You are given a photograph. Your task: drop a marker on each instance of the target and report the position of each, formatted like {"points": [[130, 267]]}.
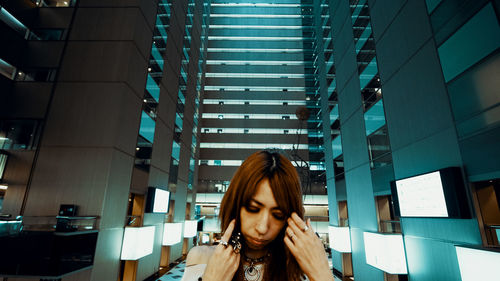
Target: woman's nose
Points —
{"points": [[263, 223]]}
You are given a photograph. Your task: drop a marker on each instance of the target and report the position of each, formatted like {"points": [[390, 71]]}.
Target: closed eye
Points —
{"points": [[252, 209]]}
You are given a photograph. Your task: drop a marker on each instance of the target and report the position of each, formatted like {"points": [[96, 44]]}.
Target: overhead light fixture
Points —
{"points": [[3, 186]]}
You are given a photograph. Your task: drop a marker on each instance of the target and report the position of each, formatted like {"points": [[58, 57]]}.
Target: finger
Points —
{"points": [[290, 245], [309, 225], [296, 230], [290, 233], [298, 221], [229, 231]]}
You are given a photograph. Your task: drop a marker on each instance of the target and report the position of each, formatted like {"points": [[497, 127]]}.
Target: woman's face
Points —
{"points": [[261, 221]]}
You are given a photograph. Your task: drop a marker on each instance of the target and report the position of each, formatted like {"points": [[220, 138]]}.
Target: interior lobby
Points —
{"points": [[123, 122]]}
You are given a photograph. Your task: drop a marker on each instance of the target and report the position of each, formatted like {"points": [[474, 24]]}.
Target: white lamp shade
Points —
{"points": [[172, 233], [340, 238], [476, 264], [190, 228], [385, 252], [137, 242]]}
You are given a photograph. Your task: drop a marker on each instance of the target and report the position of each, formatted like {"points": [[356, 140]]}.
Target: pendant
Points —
{"points": [[252, 273]]}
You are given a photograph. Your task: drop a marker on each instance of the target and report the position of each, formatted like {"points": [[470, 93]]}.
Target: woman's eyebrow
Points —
{"points": [[261, 204]]}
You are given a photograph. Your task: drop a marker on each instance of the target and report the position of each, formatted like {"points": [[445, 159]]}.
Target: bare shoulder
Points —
{"points": [[199, 255]]}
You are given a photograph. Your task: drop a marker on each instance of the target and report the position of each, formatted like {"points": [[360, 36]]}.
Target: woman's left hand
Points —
{"points": [[307, 249]]}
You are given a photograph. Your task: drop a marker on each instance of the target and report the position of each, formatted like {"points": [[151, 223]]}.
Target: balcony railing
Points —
{"points": [[390, 226]]}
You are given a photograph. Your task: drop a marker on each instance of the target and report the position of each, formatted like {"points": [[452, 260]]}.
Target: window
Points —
{"points": [[285, 132], [206, 130], [285, 103], [246, 117], [220, 116], [285, 117], [221, 103], [247, 103], [245, 131], [219, 131]]}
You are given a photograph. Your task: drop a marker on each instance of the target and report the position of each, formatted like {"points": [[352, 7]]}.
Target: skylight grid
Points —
{"points": [[255, 62], [243, 26], [252, 145], [254, 50], [254, 75], [255, 16], [254, 102], [273, 5], [252, 88], [254, 131], [248, 116], [259, 38]]}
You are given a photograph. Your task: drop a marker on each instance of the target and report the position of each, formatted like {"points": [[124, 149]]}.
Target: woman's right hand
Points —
{"points": [[224, 261]]}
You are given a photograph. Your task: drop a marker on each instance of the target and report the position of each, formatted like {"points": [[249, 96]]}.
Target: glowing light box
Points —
{"points": [[158, 200], [172, 233], [340, 238], [385, 252], [190, 228], [437, 194], [478, 264], [137, 242]]}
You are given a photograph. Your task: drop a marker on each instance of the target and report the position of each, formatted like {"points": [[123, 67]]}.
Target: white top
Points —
{"points": [[197, 260]]}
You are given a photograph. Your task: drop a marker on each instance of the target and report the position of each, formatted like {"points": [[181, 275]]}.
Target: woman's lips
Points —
{"points": [[256, 242]]}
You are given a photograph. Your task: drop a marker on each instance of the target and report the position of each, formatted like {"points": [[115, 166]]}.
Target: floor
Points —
{"points": [[175, 273]]}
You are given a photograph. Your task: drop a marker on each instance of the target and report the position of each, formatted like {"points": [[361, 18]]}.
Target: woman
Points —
{"points": [[263, 205]]}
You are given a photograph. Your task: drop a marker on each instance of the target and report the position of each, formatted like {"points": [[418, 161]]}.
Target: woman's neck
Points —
{"points": [[255, 254]]}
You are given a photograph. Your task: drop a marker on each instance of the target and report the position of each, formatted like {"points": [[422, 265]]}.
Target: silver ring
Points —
{"points": [[224, 243], [305, 228]]}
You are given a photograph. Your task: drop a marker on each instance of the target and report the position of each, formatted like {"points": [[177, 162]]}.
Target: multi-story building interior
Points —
{"points": [[389, 110]]}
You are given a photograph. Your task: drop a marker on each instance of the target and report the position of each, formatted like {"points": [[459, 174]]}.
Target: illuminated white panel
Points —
{"points": [[190, 228], [340, 238], [205, 238], [422, 196], [385, 252], [205, 130], [162, 200], [137, 242], [478, 264], [172, 233]]}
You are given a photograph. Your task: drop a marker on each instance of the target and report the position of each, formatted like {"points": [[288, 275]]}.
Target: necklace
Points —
{"points": [[253, 272]]}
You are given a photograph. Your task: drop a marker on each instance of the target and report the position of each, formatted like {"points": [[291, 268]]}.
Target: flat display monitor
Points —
{"points": [[438, 194], [158, 200]]}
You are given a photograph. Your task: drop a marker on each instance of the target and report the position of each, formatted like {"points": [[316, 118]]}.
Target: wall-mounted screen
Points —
{"points": [[422, 196], [158, 200], [439, 194]]}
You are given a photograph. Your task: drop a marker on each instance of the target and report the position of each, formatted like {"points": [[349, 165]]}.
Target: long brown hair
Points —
{"points": [[285, 185]]}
